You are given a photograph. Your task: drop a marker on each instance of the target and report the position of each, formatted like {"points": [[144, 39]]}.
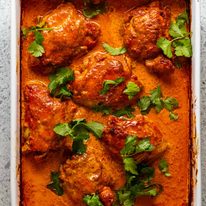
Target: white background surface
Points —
{"points": [[5, 100]]}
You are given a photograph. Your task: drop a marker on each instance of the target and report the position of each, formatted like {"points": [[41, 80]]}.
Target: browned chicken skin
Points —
{"points": [[95, 171], [42, 113], [118, 129], [71, 36], [143, 27], [96, 70]]}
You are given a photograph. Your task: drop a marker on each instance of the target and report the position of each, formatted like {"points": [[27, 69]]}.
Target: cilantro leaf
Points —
{"points": [[96, 128], [144, 104], [146, 172], [138, 182], [114, 51], [130, 146], [136, 187], [63, 93], [144, 145], [63, 129], [111, 83], [156, 100], [151, 190], [183, 47], [156, 93], [131, 90], [91, 10], [183, 17], [126, 111], [164, 167], [130, 165], [125, 198], [58, 81], [170, 103], [173, 116], [166, 46], [178, 30], [79, 130], [180, 42], [38, 37], [92, 200], [158, 103], [102, 108], [36, 49], [78, 146], [24, 31], [133, 146], [55, 184]]}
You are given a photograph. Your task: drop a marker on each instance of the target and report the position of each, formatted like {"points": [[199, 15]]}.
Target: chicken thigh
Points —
{"points": [[41, 114], [93, 172], [119, 129], [70, 36], [142, 28], [98, 68]]}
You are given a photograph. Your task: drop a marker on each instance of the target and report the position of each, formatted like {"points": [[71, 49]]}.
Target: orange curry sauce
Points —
{"points": [[36, 173]]}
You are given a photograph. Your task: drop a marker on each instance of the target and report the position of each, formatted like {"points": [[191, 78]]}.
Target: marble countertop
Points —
{"points": [[5, 100]]}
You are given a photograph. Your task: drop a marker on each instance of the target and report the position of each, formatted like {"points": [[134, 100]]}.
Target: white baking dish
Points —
{"points": [[15, 104]]}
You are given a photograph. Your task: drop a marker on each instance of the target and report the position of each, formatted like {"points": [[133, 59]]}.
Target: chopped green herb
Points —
{"points": [[131, 90], [102, 108], [130, 146], [147, 173], [130, 165], [133, 146], [173, 116], [114, 51], [178, 30], [164, 167], [78, 146], [36, 48], [92, 200], [183, 47], [108, 84], [156, 93], [96, 128], [180, 42], [125, 197], [57, 86], [26, 31], [92, 10], [171, 103], [144, 104], [63, 93], [79, 130], [155, 100], [182, 18], [126, 111], [55, 184], [63, 129], [144, 145], [166, 46], [138, 184]]}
